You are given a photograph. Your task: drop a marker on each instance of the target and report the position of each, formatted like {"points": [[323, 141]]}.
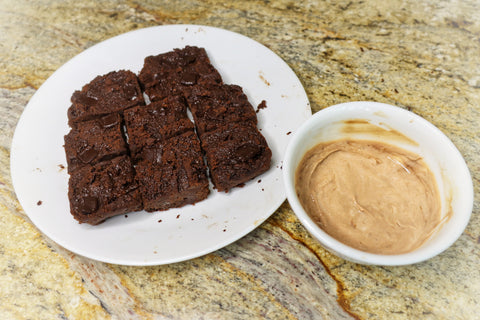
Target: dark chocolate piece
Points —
{"points": [[88, 204], [109, 120]]}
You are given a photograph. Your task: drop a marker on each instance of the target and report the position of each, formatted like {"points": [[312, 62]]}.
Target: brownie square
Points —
{"points": [[236, 153], [158, 121], [110, 93], [172, 173], [214, 106], [176, 72], [103, 190], [94, 141]]}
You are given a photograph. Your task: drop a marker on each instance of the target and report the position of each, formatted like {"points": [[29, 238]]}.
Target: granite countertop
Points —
{"points": [[419, 55]]}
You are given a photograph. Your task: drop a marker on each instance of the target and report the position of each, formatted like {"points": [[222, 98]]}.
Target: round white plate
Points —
{"points": [[141, 238]]}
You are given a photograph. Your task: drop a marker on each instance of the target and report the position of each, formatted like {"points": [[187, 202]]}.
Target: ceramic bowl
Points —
{"points": [[347, 120]]}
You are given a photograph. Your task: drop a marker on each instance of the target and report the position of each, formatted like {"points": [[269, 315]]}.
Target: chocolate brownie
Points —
{"points": [[166, 168], [236, 153], [213, 106], [156, 122], [172, 173], [103, 190], [110, 93], [93, 141], [176, 72]]}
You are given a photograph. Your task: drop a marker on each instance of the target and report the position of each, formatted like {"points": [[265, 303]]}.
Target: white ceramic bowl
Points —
{"points": [[420, 136]]}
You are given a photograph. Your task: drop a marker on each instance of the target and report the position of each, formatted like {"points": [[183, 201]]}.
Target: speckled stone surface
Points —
{"points": [[419, 55]]}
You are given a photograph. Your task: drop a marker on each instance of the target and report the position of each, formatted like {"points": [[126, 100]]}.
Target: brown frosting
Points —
{"points": [[371, 196]]}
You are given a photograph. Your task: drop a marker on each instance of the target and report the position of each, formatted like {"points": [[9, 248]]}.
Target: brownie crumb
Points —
{"points": [[160, 220], [263, 79], [178, 216], [289, 133], [224, 230], [39, 203], [126, 216], [262, 105], [61, 166], [259, 180]]}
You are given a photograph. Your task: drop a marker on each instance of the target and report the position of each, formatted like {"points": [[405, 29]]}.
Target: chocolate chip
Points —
{"points": [[80, 97], [109, 121], [188, 78], [247, 151], [152, 155], [190, 58], [88, 155], [88, 205], [129, 92]]}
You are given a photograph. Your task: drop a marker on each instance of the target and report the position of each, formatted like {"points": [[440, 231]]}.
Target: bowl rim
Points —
{"points": [[340, 248]]}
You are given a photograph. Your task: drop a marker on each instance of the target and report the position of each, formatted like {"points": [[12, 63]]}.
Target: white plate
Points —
{"points": [[37, 152]]}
